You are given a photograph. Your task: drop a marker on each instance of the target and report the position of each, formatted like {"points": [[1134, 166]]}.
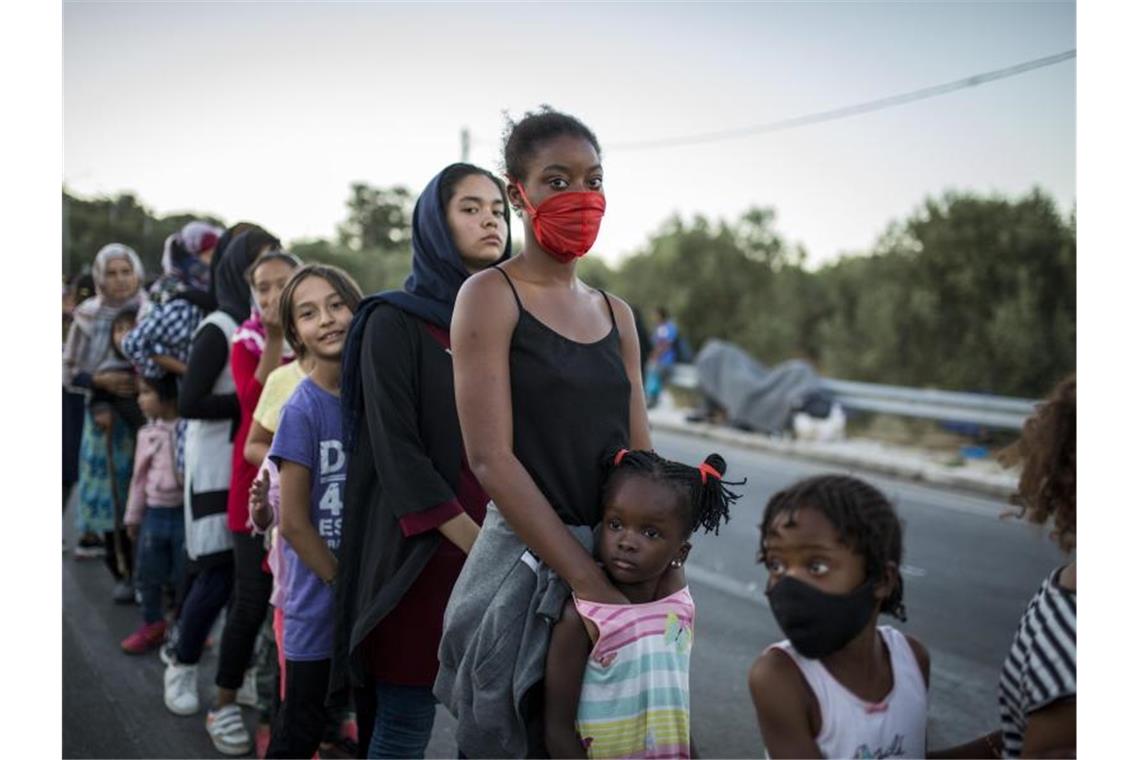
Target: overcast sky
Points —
{"points": [[267, 111]]}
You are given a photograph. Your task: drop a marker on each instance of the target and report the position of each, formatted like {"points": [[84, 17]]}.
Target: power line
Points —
{"points": [[852, 110]]}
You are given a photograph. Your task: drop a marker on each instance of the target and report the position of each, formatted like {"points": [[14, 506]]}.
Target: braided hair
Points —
{"points": [[864, 518], [700, 490]]}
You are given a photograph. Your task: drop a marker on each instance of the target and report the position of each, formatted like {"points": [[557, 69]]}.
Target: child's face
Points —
{"points": [[643, 530], [803, 544], [119, 331], [321, 318], [268, 281], [149, 402]]}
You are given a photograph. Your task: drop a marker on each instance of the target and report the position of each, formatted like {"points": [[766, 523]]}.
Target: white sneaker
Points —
{"points": [[247, 694], [180, 688], [228, 731]]}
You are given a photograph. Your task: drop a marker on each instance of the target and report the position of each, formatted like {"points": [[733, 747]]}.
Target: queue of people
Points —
{"points": [[448, 493]]}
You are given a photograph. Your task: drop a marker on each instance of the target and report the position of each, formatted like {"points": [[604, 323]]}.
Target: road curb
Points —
{"points": [[910, 468]]}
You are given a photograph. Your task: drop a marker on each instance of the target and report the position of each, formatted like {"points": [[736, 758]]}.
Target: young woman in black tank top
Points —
{"points": [[547, 370]]}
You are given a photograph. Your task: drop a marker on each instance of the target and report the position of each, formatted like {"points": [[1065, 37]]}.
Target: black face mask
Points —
{"points": [[816, 622]]}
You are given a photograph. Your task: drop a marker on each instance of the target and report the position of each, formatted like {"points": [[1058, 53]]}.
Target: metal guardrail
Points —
{"points": [[945, 406]]}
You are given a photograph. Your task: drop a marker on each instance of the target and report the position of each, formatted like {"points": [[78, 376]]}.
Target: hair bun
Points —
{"points": [[716, 461]]}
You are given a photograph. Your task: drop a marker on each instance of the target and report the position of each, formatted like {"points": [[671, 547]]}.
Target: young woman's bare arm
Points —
{"points": [[631, 357], [481, 327]]}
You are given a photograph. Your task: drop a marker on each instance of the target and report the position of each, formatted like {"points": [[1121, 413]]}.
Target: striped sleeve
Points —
{"points": [[1051, 662], [1042, 664]]}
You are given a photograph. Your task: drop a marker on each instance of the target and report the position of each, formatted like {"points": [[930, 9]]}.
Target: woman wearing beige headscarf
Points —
{"points": [[106, 448]]}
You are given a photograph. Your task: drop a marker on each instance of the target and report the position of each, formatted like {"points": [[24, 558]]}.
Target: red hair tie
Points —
{"points": [[620, 456], [707, 469]]}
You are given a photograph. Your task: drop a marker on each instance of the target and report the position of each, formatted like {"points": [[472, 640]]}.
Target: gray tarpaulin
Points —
{"points": [[753, 396]]}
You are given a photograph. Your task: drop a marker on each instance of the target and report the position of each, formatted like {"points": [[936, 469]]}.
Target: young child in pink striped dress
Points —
{"points": [[617, 676]]}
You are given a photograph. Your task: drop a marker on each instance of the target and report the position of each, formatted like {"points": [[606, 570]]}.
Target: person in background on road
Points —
{"points": [[1037, 691], [258, 349], [316, 311], [154, 516], [547, 379], [664, 356], [208, 400], [638, 653], [412, 504], [644, 338], [840, 685], [105, 453]]}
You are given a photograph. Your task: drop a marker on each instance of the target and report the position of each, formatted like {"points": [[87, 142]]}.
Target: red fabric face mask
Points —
{"points": [[566, 224]]}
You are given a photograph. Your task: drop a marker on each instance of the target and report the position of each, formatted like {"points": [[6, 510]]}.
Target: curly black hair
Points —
{"points": [[864, 518], [1047, 451], [700, 490], [522, 138]]}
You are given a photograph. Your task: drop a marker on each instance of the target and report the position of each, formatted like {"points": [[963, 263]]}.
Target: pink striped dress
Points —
{"points": [[635, 690]]}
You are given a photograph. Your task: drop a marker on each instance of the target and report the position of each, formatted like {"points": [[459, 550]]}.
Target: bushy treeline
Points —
{"points": [[968, 292]]}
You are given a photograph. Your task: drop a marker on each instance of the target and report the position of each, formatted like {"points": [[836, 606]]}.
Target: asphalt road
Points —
{"points": [[968, 576]]}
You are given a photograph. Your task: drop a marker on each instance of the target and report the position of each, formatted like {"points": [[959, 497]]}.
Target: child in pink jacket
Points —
{"points": [[154, 517]]}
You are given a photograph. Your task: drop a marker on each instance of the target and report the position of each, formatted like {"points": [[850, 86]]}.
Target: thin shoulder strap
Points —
{"points": [[511, 285], [609, 306]]}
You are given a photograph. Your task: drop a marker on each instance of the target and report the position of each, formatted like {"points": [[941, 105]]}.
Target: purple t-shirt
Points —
{"points": [[309, 433]]}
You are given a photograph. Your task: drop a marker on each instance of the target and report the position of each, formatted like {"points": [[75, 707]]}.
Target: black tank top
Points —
{"points": [[570, 403]]}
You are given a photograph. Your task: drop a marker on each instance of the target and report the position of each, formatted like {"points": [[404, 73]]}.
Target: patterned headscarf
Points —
{"points": [[180, 263]]}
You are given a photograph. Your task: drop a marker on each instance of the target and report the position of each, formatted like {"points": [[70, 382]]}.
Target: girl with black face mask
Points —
{"points": [[840, 685]]}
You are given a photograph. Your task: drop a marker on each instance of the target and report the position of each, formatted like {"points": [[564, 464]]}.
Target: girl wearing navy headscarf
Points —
{"points": [[412, 505]]}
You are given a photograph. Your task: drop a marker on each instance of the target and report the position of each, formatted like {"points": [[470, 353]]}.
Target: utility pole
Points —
{"points": [[464, 144]]}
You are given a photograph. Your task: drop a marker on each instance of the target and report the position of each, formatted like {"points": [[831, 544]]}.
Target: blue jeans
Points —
{"points": [[161, 557], [404, 718]]}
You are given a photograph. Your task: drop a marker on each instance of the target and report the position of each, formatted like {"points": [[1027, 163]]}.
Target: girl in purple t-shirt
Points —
{"points": [[316, 311]]}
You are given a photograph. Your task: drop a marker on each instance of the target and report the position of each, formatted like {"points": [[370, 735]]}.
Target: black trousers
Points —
{"points": [[252, 587], [209, 592], [300, 722]]}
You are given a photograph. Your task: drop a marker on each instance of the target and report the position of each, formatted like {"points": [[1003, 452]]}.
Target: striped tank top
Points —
{"points": [[635, 690]]}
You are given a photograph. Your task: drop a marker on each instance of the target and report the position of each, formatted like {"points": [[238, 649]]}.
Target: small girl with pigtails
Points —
{"points": [[617, 676]]}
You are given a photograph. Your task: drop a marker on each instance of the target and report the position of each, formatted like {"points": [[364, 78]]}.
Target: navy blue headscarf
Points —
{"points": [[429, 292]]}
